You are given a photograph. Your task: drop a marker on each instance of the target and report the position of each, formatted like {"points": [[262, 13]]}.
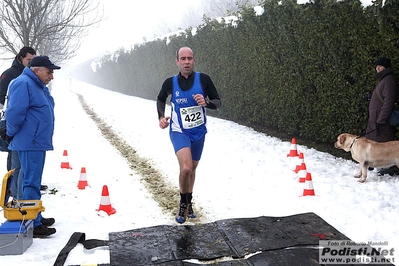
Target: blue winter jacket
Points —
{"points": [[30, 114]]}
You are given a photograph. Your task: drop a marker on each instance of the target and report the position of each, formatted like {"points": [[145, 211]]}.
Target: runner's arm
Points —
{"points": [[166, 90], [210, 90]]}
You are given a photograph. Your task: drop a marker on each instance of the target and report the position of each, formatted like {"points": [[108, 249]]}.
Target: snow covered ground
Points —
{"points": [[243, 173]]}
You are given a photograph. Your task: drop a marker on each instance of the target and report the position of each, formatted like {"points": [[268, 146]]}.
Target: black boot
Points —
{"points": [[42, 231]]}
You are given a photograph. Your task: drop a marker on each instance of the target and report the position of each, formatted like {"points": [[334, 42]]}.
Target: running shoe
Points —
{"points": [[182, 213], [190, 211]]}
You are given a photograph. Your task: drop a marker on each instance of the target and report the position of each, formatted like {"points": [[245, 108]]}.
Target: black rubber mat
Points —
{"points": [[165, 244], [307, 228], [248, 235], [297, 257], [262, 241], [184, 242]]}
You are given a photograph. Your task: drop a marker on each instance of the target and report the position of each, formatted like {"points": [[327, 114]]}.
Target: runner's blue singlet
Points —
{"points": [[187, 116]]}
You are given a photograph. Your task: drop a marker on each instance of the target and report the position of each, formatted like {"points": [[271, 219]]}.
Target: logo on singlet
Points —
{"points": [[181, 101]]}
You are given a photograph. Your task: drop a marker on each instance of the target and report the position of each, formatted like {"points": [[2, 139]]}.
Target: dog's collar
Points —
{"points": [[353, 142]]}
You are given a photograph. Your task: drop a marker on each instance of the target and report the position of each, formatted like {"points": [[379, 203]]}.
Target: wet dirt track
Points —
{"points": [[165, 194]]}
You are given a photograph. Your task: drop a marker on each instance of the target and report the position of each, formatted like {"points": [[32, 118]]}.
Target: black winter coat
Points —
{"points": [[379, 111], [14, 71]]}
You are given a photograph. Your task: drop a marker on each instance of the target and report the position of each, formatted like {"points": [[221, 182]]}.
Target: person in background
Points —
{"points": [[21, 60], [191, 93], [382, 103], [30, 128]]}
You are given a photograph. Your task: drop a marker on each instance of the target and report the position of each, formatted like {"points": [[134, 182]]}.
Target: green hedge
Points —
{"points": [[299, 69]]}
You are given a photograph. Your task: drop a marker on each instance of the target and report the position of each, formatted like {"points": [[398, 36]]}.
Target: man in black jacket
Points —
{"points": [[382, 102], [20, 62]]}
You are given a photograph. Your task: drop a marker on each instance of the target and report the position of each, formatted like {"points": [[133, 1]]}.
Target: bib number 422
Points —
{"points": [[192, 117]]}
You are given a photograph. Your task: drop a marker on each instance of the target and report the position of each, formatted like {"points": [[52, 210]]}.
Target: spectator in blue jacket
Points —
{"points": [[30, 127]]}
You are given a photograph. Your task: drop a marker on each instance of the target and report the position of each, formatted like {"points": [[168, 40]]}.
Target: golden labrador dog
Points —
{"points": [[369, 153]]}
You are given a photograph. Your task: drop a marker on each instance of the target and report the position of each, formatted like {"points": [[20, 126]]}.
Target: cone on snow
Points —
{"points": [[300, 162], [105, 204], [293, 150], [302, 173], [82, 184], [65, 162], [308, 190]]}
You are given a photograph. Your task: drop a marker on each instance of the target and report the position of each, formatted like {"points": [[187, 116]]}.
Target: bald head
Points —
{"points": [[184, 49], [185, 61]]}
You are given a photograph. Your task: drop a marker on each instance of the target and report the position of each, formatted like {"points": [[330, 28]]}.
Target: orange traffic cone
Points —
{"points": [[300, 162], [302, 173], [308, 190], [65, 163], [105, 204], [293, 150], [82, 180]]}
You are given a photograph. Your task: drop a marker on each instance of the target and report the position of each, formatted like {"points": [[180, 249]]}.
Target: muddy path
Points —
{"points": [[162, 191]]}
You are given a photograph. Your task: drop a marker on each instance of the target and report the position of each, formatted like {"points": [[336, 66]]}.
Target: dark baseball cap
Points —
{"points": [[42, 61]]}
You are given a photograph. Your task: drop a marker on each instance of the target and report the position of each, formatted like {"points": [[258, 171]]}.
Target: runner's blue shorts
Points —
{"points": [[180, 140]]}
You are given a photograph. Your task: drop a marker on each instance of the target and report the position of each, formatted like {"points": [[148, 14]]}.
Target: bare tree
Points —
{"points": [[51, 27], [196, 13]]}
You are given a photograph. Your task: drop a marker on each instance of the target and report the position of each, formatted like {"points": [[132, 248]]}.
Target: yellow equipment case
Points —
{"points": [[17, 210]]}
